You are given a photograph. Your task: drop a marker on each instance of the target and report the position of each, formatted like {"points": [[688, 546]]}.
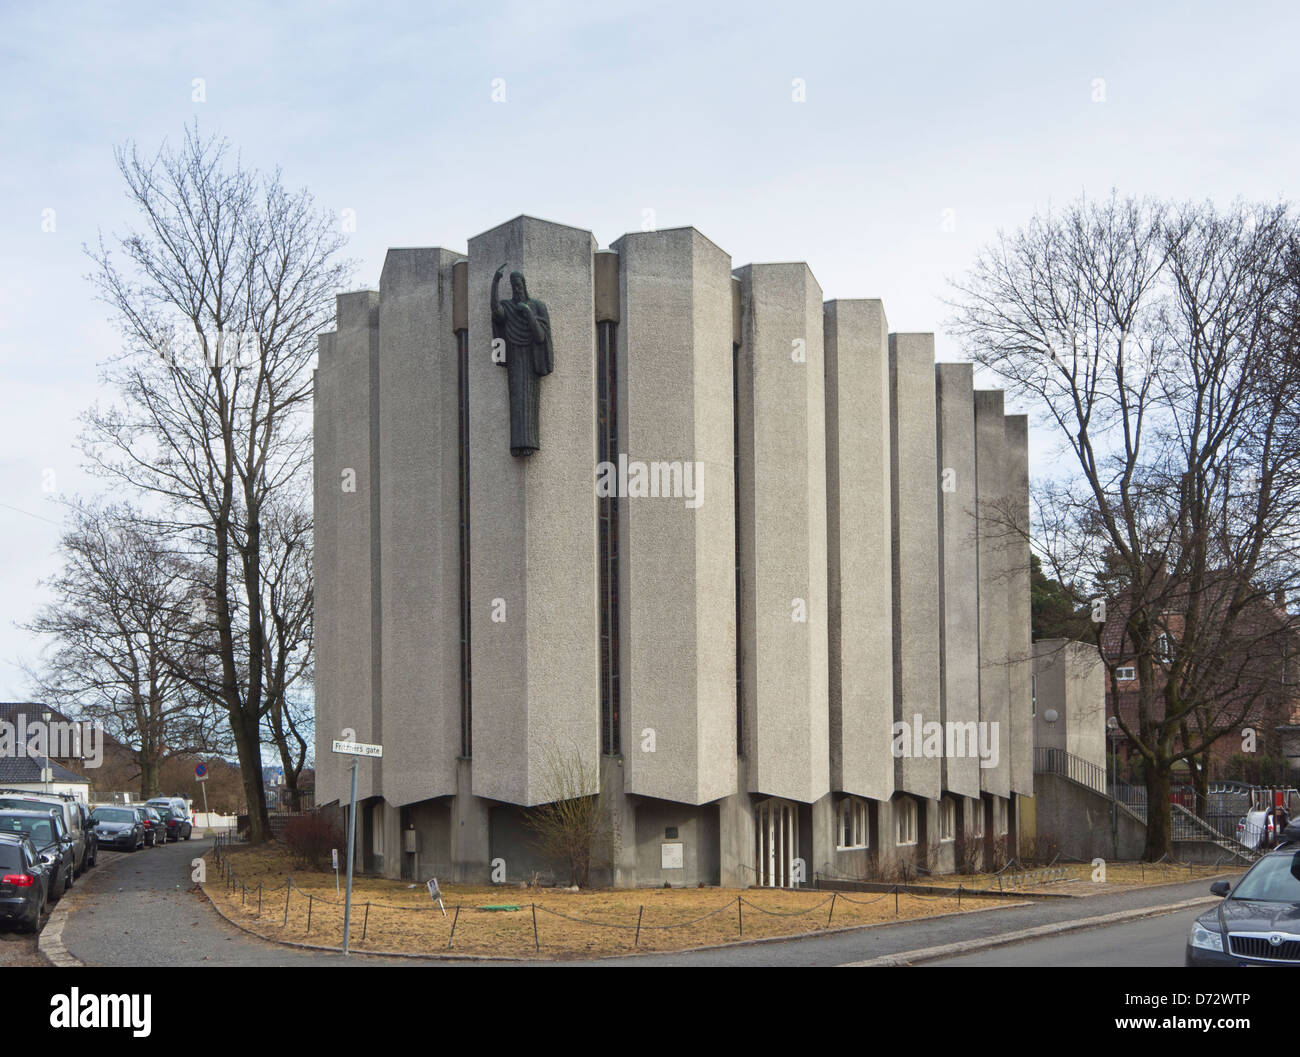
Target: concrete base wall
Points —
{"points": [[697, 833], [1079, 821]]}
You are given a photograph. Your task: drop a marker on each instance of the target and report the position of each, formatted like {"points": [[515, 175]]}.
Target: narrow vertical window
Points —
{"points": [[735, 491], [462, 392], [607, 513]]}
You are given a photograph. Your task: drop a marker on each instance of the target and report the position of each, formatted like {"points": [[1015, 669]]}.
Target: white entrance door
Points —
{"points": [[776, 843]]}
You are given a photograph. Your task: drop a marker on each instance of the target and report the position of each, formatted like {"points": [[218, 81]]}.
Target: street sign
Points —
{"points": [[201, 772], [357, 748], [436, 893]]}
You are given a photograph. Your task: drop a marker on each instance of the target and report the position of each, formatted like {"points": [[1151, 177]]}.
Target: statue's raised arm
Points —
{"points": [[498, 313]]}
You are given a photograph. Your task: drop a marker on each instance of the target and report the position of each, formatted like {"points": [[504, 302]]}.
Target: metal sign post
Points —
{"points": [[201, 776], [352, 836], [356, 750]]}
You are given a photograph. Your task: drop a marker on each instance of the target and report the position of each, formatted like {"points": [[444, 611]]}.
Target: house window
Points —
{"points": [[947, 819], [905, 820], [999, 818], [377, 829], [1125, 675], [851, 826], [1164, 647], [977, 820]]}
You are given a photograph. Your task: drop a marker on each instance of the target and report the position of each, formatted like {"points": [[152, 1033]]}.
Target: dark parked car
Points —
{"points": [[24, 882], [1258, 922], [117, 827], [179, 826], [88, 830], [155, 832], [52, 842]]}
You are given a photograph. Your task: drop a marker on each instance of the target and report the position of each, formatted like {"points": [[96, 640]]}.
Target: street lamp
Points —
{"points": [[1113, 734], [47, 772]]}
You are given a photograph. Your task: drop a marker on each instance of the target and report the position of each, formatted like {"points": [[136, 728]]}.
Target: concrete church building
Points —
{"points": [[704, 542]]}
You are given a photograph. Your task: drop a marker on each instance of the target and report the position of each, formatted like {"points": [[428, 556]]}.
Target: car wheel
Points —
{"points": [[67, 878], [34, 925], [187, 835]]}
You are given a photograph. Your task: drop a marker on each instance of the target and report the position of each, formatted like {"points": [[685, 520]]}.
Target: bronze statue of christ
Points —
{"points": [[524, 325]]}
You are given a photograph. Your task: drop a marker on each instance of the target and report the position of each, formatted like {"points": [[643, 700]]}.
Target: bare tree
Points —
{"points": [[219, 299], [1147, 336], [573, 826], [287, 612], [118, 630]]}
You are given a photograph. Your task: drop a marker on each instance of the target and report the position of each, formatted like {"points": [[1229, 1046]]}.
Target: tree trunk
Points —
{"points": [[1201, 783], [250, 759], [148, 777], [1159, 826]]}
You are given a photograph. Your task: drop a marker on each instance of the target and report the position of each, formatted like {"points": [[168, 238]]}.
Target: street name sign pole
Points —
{"points": [[356, 750], [201, 776]]}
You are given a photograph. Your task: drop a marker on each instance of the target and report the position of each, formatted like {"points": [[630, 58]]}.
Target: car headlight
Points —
{"points": [[1205, 939]]}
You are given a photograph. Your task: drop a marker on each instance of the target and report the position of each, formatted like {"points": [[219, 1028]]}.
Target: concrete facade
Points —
{"points": [[859, 529], [992, 589], [677, 579], [1070, 682], [914, 479], [959, 645], [821, 559]]}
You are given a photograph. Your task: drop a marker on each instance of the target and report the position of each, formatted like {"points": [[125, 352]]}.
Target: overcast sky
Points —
{"points": [[925, 129]]}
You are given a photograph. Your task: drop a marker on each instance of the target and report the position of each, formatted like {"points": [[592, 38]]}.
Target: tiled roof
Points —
{"points": [[27, 770]]}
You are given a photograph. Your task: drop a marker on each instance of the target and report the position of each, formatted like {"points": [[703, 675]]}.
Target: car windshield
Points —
{"points": [[1274, 879], [112, 815], [41, 830], [11, 856]]}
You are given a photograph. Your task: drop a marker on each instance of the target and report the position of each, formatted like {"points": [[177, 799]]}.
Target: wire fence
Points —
{"points": [[321, 918]]}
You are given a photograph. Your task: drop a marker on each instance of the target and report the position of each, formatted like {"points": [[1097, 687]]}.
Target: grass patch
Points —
{"points": [[390, 916]]}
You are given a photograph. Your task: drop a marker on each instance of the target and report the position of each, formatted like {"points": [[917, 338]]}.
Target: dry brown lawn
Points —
{"points": [[395, 916]]}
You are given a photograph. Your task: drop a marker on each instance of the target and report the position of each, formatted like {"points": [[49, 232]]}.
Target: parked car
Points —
{"points": [[52, 842], [1258, 921], [154, 830], [92, 840], [180, 827], [24, 882], [118, 826], [69, 807]]}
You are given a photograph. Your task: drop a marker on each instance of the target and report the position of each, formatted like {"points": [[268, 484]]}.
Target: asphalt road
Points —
{"points": [[1145, 943], [141, 909]]}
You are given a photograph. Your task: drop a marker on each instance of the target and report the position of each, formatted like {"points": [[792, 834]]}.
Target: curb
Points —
{"points": [[947, 950], [1048, 896], [453, 957]]}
